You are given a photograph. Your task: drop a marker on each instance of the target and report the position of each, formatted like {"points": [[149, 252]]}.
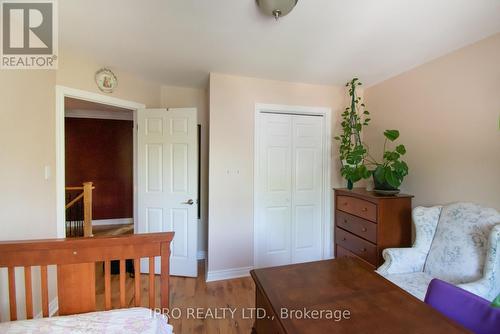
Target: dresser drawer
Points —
{"points": [[358, 226], [357, 207], [342, 252], [358, 246]]}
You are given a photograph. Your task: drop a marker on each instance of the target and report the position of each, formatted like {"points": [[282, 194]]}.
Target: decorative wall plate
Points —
{"points": [[106, 80]]}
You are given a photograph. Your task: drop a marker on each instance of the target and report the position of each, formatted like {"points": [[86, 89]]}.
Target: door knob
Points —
{"points": [[189, 202]]}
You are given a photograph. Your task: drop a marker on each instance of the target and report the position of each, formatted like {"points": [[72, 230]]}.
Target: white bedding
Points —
{"points": [[132, 320]]}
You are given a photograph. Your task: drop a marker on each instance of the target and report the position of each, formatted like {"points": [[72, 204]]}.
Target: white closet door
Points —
{"points": [[274, 183], [289, 189], [307, 185]]}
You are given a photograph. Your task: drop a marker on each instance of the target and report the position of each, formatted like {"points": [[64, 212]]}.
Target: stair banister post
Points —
{"points": [[87, 209]]}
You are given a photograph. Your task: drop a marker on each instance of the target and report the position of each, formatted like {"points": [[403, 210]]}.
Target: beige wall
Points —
{"points": [[77, 71], [232, 112], [181, 97], [27, 145], [448, 113]]}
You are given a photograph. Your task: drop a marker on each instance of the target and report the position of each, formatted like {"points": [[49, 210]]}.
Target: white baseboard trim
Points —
{"points": [[53, 308], [118, 221], [219, 275], [202, 255]]}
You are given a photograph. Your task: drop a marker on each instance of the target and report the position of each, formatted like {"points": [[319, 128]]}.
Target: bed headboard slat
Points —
{"points": [[45, 290], [12, 293], [137, 282], [151, 282], [107, 285], [122, 283], [28, 292]]}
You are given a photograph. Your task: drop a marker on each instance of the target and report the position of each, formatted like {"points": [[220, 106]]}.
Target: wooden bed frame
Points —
{"points": [[75, 259]]}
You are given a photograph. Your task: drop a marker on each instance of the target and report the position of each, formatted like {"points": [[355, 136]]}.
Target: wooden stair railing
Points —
{"points": [[86, 197]]}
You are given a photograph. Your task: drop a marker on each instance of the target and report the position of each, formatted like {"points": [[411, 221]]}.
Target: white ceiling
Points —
{"points": [[179, 42]]}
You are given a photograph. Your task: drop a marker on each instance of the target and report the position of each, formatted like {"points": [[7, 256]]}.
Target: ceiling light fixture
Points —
{"points": [[276, 8]]}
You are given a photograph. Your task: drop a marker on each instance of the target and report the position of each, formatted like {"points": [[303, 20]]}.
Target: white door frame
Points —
{"points": [[61, 93], [327, 187]]}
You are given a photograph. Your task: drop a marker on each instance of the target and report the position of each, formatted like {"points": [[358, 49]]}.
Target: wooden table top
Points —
{"points": [[375, 304]]}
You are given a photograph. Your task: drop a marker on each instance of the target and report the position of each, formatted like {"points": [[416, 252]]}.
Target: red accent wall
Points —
{"points": [[101, 151]]}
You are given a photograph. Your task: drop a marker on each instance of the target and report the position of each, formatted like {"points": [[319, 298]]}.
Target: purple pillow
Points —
{"points": [[467, 309]]}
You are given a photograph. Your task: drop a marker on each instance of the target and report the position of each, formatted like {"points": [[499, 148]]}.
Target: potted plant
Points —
{"points": [[389, 174], [356, 162], [352, 151]]}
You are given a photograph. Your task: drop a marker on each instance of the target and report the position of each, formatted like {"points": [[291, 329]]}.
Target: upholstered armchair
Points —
{"points": [[458, 243]]}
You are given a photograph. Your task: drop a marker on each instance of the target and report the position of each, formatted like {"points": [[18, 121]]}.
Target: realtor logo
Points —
{"points": [[29, 34]]}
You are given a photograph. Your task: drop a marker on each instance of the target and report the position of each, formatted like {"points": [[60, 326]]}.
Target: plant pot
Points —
{"points": [[382, 187]]}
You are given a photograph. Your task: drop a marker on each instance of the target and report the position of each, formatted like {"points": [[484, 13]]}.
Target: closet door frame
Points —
{"points": [[327, 233]]}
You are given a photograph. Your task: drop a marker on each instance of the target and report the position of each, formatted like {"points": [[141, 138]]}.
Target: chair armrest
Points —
{"points": [[410, 260], [488, 286], [402, 261]]}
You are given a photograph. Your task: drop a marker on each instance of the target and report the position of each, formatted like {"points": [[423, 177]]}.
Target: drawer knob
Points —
{"points": [[364, 209], [363, 249], [344, 239], [345, 221], [364, 229]]}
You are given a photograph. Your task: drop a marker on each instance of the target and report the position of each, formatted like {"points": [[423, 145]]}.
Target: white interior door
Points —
{"points": [[167, 183], [289, 189]]}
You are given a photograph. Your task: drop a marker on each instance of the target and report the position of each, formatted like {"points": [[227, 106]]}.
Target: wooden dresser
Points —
{"points": [[367, 223]]}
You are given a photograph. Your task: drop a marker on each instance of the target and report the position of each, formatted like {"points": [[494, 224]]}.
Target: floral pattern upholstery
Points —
{"points": [[133, 321], [408, 260], [414, 283], [458, 243]]}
